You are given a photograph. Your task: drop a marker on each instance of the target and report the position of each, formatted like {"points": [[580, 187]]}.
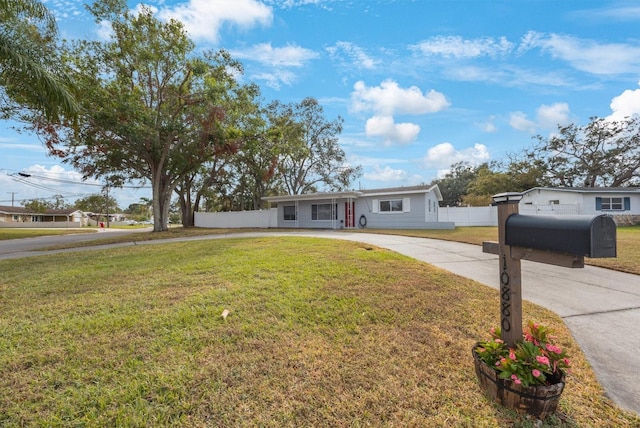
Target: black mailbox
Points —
{"points": [[590, 236]]}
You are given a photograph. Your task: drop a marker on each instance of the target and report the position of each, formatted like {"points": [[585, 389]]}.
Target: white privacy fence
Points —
{"points": [[238, 219], [469, 216], [461, 216], [488, 216]]}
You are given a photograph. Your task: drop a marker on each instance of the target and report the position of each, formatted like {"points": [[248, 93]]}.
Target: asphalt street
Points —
{"points": [[601, 307]]}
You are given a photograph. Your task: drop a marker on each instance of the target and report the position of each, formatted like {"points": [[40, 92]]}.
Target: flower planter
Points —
{"points": [[539, 401]]}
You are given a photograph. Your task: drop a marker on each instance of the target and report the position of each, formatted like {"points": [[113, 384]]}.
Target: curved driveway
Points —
{"points": [[601, 307]]}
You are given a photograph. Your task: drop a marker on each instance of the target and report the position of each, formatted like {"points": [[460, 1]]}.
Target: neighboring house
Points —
{"points": [[620, 201], [98, 217], [396, 208], [21, 217]]}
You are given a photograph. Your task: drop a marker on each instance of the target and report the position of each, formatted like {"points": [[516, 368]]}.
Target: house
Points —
{"points": [[22, 217], [394, 208], [621, 202]]}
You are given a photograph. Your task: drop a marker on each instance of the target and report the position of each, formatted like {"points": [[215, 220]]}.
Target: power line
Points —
{"points": [[67, 181]]}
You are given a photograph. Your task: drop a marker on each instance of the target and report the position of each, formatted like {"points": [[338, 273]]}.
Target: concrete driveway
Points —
{"points": [[601, 307]]}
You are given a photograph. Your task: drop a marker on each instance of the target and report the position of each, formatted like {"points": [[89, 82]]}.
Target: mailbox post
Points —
{"points": [[562, 241], [510, 273]]}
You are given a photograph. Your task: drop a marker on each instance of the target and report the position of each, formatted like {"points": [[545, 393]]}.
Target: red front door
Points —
{"points": [[349, 214]]}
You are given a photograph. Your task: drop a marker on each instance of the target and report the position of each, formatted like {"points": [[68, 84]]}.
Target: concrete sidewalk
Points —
{"points": [[601, 307]]}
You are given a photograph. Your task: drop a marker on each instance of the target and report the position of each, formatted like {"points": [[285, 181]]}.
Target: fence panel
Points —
{"points": [[469, 216], [238, 219]]}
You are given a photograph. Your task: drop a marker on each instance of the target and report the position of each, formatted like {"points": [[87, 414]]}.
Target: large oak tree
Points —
{"points": [[603, 153], [312, 159], [152, 109]]}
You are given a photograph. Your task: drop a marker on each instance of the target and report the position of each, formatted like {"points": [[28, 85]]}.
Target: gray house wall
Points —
{"points": [[420, 211]]}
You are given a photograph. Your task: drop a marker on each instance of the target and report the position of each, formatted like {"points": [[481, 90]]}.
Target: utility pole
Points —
{"points": [[106, 201], [12, 194]]}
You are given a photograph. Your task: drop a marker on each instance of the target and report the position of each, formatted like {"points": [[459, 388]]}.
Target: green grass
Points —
{"points": [[319, 334], [19, 233], [627, 260]]}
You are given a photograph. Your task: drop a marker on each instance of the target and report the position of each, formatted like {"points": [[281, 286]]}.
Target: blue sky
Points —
{"points": [[420, 84]]}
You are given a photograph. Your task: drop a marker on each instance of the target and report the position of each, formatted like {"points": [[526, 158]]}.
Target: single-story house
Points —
{"points": [[22, 217], [623, 203], [619, 201], [413, 207]]}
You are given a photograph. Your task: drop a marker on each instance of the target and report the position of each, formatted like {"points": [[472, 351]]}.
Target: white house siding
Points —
{"points": [[584, 199]]}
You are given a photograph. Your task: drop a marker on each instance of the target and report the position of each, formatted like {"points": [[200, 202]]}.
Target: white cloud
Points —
{"points": [[386, 174], [457, 47], [287, 56], [204, 18], [518, 120], [389, 99], [104, 31], [627, 104], [616, 12], [356, 57], [276, 79], [443, 155], [385, 126], [278, 60], [586, 55], [548, 117], [488, 126]]}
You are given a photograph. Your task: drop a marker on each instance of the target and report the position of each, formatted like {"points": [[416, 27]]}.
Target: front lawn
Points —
{"points": [[319, 333]]}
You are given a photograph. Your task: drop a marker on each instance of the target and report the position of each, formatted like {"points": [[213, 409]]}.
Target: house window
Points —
{"points": [[613, 204], [393, 205], [290, 212], [324, 211]]}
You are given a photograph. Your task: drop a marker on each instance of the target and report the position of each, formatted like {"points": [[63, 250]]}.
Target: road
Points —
{"points": [[600, 307]]}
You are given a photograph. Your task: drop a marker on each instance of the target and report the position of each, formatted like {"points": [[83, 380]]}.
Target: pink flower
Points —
{"points": [[536, 373], [542, 359], [512, 354], [553, 348], [566, 361], [499, 341], [515, 379]]}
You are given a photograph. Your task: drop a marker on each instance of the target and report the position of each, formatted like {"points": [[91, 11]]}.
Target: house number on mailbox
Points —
{"points": [[506, 297]]}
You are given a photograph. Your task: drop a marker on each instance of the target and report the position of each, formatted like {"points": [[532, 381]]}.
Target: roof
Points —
{"points": [[23, 210], [587, 189], [354, 194]]}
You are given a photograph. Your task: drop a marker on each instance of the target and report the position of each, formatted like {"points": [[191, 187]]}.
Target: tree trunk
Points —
{"points": [[161, 203], [186, 209]]}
